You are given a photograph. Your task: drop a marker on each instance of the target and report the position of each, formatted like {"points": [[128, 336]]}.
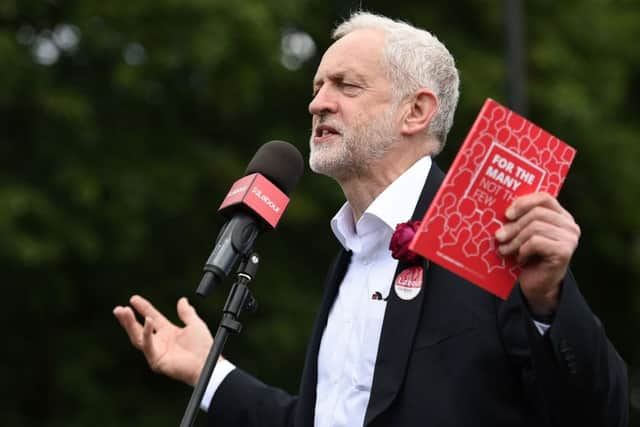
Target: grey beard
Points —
{"points": [[361, 146]]}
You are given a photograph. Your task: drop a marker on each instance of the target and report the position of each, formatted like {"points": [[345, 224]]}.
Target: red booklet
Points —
{"points": [[504, 156]]}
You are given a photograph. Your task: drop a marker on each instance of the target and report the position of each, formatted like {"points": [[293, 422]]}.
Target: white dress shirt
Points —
{"points": [[349, 345]]}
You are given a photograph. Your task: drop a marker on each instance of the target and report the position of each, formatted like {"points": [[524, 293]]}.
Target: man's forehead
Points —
{"points": [[357, 54]]}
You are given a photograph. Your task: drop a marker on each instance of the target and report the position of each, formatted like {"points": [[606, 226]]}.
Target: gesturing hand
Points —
{"points": [[542, 236], [178, 352]]}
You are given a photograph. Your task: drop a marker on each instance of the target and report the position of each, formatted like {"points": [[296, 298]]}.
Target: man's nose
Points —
{"points": [[323, 102]]}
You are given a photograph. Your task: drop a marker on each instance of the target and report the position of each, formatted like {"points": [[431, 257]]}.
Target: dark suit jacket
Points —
{"points": [[457, 356]]}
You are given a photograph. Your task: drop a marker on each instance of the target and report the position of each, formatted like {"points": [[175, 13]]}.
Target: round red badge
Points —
{"points": [[408, 283]]}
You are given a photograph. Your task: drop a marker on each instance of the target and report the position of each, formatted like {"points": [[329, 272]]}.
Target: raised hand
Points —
{"points": [[542, 236], [178, 352]]}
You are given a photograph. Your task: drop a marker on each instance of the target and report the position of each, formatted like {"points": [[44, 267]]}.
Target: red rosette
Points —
{"points": [[400, 240]]}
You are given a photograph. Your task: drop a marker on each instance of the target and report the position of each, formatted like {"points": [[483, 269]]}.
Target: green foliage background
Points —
{"points": [[114, 157]]}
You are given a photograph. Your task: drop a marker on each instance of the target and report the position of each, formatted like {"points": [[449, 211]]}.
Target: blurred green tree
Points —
{"points": [[125, 122]]}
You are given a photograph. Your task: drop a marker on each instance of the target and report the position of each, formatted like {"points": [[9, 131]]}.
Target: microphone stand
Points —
{"points": [[239, 299]]}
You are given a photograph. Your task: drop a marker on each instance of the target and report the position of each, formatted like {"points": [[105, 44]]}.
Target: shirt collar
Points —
{"points": [[394, 205]]}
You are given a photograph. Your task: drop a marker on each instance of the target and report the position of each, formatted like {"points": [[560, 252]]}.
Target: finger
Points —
{"points": [[539, 229], [146, 309], [523, 204], [186, 312], [541, 215], [128, 321], [148, 346], [557, 253]]}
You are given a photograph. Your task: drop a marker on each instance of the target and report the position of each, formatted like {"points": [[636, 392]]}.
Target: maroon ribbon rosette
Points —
{"points": [[402, 236]]}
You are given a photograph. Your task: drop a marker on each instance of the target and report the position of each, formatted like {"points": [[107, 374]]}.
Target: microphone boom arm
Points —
{"points": [[239, 299]]}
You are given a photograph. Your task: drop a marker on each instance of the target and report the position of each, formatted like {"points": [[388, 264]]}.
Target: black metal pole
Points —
{"points": [[516, 61], [239, 298]]}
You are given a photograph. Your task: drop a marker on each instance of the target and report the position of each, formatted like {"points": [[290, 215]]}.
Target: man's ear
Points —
{"points": [[419, 111]]}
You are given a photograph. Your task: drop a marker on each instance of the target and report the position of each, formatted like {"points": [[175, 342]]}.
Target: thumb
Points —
{"points": [[186, 312]]}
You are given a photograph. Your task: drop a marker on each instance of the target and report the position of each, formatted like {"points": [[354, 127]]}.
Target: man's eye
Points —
{"points": [[350, 88]]}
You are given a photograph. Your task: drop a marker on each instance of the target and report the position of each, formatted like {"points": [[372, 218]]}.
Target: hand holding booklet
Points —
{"points": [[503, 156]]}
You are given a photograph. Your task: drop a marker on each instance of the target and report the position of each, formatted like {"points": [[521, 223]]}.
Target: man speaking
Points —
{"points": [[448, 354]]}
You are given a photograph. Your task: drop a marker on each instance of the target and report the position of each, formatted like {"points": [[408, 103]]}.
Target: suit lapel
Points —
{"points": [[400, 322], [306, 405]]}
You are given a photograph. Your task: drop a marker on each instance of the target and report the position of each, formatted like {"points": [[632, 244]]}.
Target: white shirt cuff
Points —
{"points": [[541, 327], [220, 372]]}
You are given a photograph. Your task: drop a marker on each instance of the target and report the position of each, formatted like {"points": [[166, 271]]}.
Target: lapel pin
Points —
{"points": [[377, 295], [408, 283]]}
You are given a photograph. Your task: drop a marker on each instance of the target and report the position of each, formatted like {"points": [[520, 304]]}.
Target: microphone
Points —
{"points": [[255, 203]]}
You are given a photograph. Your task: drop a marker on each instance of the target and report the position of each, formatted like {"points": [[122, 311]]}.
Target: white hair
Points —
{"points": [[412, 59]]}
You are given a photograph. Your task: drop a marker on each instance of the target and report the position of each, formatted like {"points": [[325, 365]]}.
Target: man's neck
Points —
{"points": [[361, 190]]}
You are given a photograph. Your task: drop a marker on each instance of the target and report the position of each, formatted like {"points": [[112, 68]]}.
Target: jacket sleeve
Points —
{"points": [[572, 374], [244, 401]]}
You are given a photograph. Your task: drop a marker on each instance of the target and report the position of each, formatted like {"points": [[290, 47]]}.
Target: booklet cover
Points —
{"points": [[503, 156]]}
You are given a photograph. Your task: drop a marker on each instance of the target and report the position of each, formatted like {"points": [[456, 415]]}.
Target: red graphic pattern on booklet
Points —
{"points": [[503, 156]]}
